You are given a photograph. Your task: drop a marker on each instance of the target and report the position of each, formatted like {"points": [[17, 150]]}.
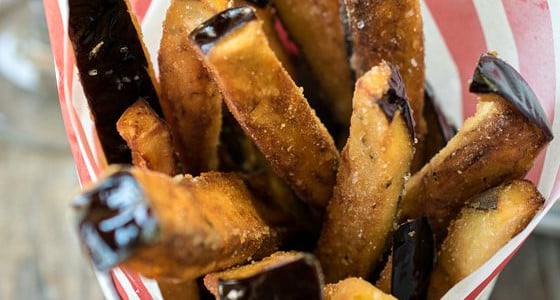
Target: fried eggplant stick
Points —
{"points": [[374, 165], [487, 223], [267, 104], [113, 66], [172, 229], [500, 142], [317, 29], [391, 31], [282, 276], [148, 138]]}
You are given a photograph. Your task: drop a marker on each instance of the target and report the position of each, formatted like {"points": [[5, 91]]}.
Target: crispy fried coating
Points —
{"points": [[204, 223], [498, 143], [488, 222], [371, 176], [355, 288], [267, 16], [171, 290], [391, 31], [190, 99], [268, 105], [148, 138], [316, 28]]}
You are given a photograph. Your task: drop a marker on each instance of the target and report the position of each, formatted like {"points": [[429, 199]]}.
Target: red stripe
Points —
{"points": [[532, 30], [79, 130], [140, 7], [118, 287], [57, 36], [460, 28], [492, 275], [137, 284]]}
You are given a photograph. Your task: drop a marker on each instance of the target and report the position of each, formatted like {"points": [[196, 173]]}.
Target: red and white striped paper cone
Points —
{"points": [[525, 33]]}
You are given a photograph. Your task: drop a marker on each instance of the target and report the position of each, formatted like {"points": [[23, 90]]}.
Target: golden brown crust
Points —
{"points": [[190, 100], [354, 288], [496, 144], [272, 110], [391, 31], [267, 16], [316, 28], [478, 233], [171, 290], [148, 138], [370, 179], [206, 223]]}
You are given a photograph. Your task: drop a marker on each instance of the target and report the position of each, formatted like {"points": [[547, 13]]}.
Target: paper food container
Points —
{"points": [[525, 33]]}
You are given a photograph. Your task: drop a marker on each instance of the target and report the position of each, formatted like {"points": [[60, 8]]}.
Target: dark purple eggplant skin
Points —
{"points": [[113, 67], [396, 99], [212, 30], [260, 3], [300, 279], [493, 75], [114, 219], [413, 259]]}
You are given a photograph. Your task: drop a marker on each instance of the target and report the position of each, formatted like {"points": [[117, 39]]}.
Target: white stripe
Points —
{"points": [[125, 283], [497, 32], [552, 159], [152, 287], [152, 29], [63, 6], [441, 71], [107, 286]]}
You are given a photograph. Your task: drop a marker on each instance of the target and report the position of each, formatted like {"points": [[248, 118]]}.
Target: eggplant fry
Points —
{"points": [[267, 104], [172, 229], [354, 288], [190, 99], [370, 179], [498, 143], [282, 276], [113, 66], [316, 28], [485, 225], [148, 138], [391, 31]]}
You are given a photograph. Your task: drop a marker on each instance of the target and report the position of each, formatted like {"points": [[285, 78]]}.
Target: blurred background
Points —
{"points": [[40, 257]]}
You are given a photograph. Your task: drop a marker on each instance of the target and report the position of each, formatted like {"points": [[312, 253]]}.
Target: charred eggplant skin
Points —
{"points": [[115, 219], [413, 259], [493, 75], [299, 279], [260, 3], [114, 70], [396, 100], [211, 31]]}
